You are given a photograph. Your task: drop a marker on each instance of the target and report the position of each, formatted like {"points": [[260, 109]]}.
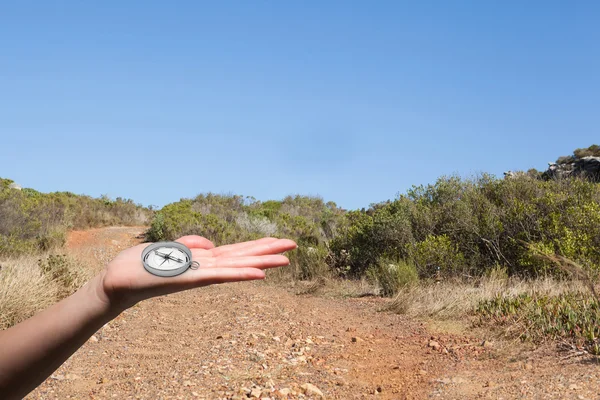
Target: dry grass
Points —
{"points": [[445, 300], [31, 284]]}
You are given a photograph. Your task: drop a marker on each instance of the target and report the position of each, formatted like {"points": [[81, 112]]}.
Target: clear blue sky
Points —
{"points": [[353, 101]]}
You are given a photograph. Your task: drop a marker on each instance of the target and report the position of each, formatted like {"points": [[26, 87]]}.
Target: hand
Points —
{"points": [[125, 282]]}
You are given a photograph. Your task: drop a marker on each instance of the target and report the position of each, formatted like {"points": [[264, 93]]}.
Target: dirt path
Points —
{"points": [[259, 341]]}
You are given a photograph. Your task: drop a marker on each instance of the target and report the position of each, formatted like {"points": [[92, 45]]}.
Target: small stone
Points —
{"points": [[434, 345], [422, 372], [529, 366], [187, 383], [256, 392], [574, 386], [58, 377], [379, 389], [311, 390], [487, 344], [489, 384], [356, 339], [93, 339], [276, 339]]}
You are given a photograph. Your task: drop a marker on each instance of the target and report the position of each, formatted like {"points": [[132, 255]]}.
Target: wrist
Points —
{"points": [[96, 294]]}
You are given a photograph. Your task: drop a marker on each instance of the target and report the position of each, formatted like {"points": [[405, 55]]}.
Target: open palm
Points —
{"points": [[126, 282]]}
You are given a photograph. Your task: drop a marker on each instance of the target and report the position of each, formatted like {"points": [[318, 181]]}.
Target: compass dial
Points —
{"points": [[166, 258]]}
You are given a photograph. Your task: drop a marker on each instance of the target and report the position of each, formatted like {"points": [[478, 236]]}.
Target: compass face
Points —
{"points": [[166, 258]]}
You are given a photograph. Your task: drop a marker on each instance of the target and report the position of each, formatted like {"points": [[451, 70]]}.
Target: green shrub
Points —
{"points": [[467, 226], [438, 256], [393, 275], [593, 150], [536, 317], [231, 218], [35, 221], [308, 262]]}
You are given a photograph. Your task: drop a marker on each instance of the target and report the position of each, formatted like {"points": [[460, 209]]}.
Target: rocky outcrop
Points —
{"points": [[585, 167]]}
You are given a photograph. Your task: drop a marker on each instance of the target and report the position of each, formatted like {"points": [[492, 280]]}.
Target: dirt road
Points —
{"points": [[255, 340]]}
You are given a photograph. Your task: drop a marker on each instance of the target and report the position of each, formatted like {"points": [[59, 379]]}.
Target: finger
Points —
{"points": [[262, 262], [262, 248], [230, 248], [209, 276], [196, 242]]}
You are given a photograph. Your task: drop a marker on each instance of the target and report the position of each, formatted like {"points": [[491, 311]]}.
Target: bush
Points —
{"points": [[593, 150], [34, 221], [459, 227], [438, 256], [308, 262], [536, 317], [393, 275]]}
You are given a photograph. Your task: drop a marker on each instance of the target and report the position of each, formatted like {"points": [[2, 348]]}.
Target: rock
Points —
{"points": [[284, 393], [574, 386], [422, 372], [187, 383], [434, 345], [256, 392], [311, 390], [528, 366], [356, 339], [58, 377], [276, 339], [15, 186], [487, 344], [585, 167], [93, 339]]}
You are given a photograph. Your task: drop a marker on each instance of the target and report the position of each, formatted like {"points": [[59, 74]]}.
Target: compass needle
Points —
{"points": [[169, 258]]}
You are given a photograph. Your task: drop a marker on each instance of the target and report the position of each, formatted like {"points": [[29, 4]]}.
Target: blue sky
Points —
{"points": [[353, 101]]}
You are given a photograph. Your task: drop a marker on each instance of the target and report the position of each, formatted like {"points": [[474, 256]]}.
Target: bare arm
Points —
{"points": [[33, 349]]}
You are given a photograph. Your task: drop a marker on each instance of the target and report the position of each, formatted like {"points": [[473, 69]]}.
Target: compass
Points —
{"points": [[168, 259]]}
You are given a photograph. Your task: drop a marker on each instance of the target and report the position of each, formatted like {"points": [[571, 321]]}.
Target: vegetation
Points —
{"points": [[30, 284], [463, 228], [592, 151], [31, 221], [229, 218], [458, 246], [571, 316]]}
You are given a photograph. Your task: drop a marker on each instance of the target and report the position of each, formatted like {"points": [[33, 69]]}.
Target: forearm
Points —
{"points": [[33, 349]]}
